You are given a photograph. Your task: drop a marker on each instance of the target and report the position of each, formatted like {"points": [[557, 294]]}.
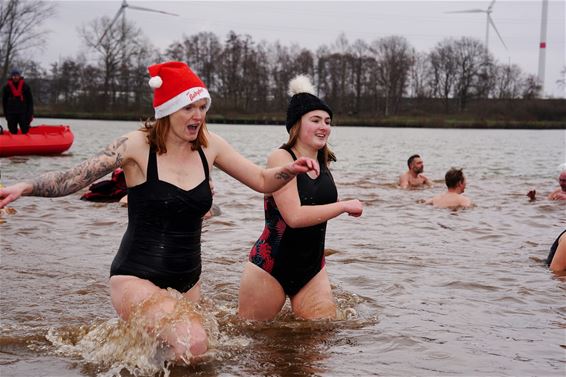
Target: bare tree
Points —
{"points": [[283, 64], [562, 80], [280, 62], [508, 81], [239, 62], [20, 28], [334, 73], [304, 62], [122, 51], [420, 77], [531, 88], [395, 57], [443, 70], [472, 60], [359, 56], [331, 77], [201, 52]]}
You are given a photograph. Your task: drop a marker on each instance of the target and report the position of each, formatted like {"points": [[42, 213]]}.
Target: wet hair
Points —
{"points": [[453, 177], [157, 130], [324, 155], [410, 160]]}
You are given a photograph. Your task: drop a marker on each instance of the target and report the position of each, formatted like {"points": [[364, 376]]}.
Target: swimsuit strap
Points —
{"points": [[291, 153], [204, 162], [295, 158], [152, 174]]}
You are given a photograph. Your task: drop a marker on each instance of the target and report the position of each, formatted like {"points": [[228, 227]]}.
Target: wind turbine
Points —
{"points": [[122, 12], [542, 45], [489, 21]]}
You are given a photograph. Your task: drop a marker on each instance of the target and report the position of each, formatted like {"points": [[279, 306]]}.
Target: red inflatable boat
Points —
{"points": [[40, 140]]}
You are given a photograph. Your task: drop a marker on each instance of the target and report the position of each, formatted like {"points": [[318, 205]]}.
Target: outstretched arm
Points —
{"points": [[66, 182], [299, 216], [253, 176]]}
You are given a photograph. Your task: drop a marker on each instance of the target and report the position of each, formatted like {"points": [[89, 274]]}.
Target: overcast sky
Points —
{"points": [[315, 23]]}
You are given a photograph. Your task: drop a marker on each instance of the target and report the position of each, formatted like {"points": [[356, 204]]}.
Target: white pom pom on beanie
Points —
{"points": [[303, 100]]}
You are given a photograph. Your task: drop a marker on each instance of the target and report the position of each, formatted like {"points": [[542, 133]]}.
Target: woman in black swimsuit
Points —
{"points": [[288, 258], [167, 166]]}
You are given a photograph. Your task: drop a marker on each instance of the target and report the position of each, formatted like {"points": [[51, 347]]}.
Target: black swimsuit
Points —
{"points": [[294, 256], [162, 242], [553, 249]]}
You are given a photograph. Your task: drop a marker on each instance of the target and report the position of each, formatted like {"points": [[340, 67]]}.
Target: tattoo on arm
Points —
{"points": [[67, 182], [283, 175]]}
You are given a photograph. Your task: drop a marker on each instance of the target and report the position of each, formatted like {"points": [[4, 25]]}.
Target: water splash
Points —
{"points": [[117, 345]]}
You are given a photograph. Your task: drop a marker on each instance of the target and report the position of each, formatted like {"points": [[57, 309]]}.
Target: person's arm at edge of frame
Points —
{"points": [[558, 263], [403, 181], [427, 181], [467, 202], [298, 216], [258, 179], [61, 183]]}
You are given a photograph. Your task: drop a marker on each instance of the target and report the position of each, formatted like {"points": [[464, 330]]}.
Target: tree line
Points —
{"points": [[245, 76]]}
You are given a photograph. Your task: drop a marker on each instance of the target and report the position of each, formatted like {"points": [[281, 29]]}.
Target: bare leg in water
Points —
{"points": [[186, 336]]}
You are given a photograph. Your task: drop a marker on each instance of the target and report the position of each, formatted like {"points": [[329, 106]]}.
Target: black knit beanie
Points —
{"points": [[302, 101]]}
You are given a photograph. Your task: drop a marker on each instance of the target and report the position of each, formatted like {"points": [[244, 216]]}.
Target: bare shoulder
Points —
{"points": [[557, 194], [435, 199], [216, 143], [466, 202], [428, 201], [133, 144], [279, 157], [217, 147], [137, 136], [213, 138]]}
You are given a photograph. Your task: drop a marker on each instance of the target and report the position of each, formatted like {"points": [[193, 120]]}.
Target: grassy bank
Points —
{"points": [[422, 121]]}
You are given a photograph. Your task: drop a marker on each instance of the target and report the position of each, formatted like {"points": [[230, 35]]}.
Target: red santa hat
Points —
{"points": [[175, 86]]}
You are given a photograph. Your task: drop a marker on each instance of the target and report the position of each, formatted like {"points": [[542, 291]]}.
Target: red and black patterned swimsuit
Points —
{"points": [[294, 256]]}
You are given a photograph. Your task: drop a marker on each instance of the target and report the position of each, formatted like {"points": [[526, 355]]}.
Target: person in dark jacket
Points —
{"points": [[17, 103]]}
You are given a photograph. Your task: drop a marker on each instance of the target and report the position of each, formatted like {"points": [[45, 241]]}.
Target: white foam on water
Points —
{"points": [[116, 345]]}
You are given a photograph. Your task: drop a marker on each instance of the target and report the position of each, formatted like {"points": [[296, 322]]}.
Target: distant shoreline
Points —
{"points": [[341, 121]]}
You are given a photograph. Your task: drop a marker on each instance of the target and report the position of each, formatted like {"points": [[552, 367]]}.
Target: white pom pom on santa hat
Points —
{"points": [[155, 82], [301, 84]]}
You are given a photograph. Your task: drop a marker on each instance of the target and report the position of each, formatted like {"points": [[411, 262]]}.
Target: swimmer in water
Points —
{"points": [[453, 197], [558, 194], [414, 177]]}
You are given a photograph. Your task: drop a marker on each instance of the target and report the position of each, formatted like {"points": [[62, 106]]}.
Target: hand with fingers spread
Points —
{"points": [[303, 165], [10, 193]]}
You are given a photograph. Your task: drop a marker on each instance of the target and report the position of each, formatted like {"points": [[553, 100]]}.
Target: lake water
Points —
{"points": [[428, 291]]}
